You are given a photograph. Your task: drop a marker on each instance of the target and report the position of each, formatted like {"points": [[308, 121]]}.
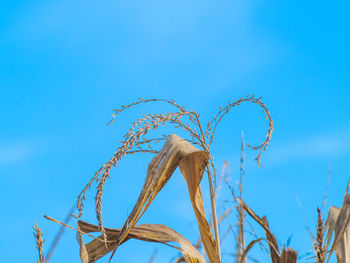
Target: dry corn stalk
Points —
{"points": [[192, 162], [175, 153]]}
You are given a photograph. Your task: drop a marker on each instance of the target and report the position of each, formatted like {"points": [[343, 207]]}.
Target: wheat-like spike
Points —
{"points": [[319, 246], [38, 234], [98, 202], [132, 138], [148, 122], [124, 107], [241, 216], [139, 128], [58, 236], [81, 196]]}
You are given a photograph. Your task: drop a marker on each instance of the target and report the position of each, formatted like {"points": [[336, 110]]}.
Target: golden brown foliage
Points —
{"points": [[176, 152]]}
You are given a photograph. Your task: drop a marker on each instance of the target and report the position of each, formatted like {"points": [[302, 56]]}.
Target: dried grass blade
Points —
{"points": [[275, 256], [253, 215], [341, 243], [330, 223], [146, 232], [192, 168]]}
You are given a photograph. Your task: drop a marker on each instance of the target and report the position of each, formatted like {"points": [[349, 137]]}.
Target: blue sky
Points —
{"points": [[65, 65]]}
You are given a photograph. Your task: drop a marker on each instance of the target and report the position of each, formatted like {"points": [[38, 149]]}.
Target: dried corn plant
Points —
{"points": [[337, 224], [335, 232], [192, 156]]}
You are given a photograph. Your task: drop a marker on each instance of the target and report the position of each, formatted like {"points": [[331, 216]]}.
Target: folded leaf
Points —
{"points": [[192, 168], [97, 248], [275, 256], [175, 152]]}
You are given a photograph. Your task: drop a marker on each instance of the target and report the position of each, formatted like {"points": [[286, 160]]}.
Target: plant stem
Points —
{"points": [[213, 212], [240, 238]]}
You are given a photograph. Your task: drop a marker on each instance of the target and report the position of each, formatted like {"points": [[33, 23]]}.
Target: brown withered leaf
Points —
{"points": [[274, 250], [83, 252], [338, 222], [192, 168], [271, 239], [97, 248], [175, 152]]}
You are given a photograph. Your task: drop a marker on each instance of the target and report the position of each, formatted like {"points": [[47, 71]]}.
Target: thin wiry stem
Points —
{"points": [[238, 206], [59, 235], [221, 177], [213, 211], [325, 195], [76, 229], [153, 257], [240, 238]]}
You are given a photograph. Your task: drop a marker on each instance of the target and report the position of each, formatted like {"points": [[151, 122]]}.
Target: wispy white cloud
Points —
{"points": [[17, 152], [318, 146]]}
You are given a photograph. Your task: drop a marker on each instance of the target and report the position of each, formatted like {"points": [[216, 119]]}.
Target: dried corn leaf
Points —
{"points": [[83, 251], [331, 222], [287, 256], [275, 256], [175, 152], [192, 170], [338, 222], [97, 248]]}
